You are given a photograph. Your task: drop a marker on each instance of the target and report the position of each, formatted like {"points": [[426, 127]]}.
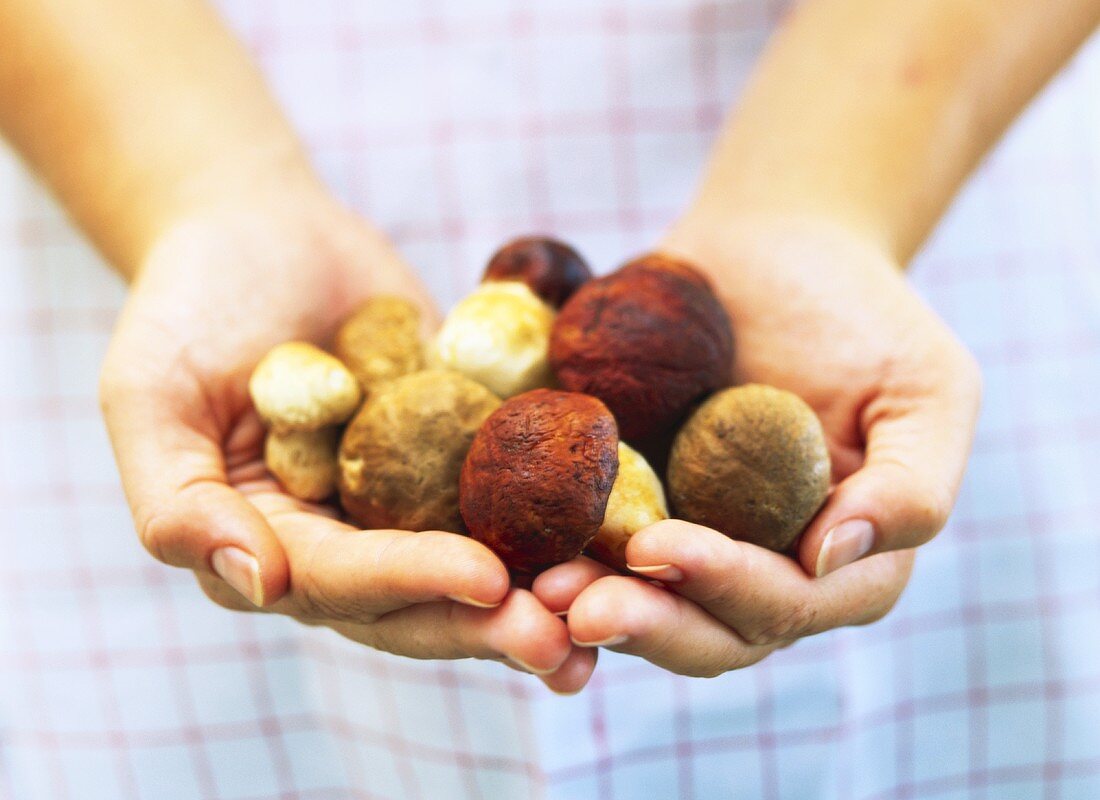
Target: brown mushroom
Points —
{"points": [[551, 269], [536, 481], [304, 462], [381, 340], [648, 340], [401, 455], [751, 462]]}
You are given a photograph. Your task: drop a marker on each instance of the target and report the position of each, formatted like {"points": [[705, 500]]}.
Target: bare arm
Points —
{"points": [[136, 112], [872, 112]]}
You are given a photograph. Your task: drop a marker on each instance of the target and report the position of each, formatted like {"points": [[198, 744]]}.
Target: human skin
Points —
{"points": [[860, 123], [154, 130]]}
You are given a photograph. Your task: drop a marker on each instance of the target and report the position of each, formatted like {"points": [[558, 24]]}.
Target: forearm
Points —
{"points": [[136, 113], [871, 113]]}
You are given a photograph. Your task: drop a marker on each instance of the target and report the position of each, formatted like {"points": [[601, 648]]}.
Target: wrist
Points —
{"points": [[272, 178], [772, 247]]}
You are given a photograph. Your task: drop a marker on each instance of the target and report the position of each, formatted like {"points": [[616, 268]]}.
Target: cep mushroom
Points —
{"points": [[401, 455], [753, 463], [299, 387], [648, 340], [637, 500], [381, 340], [302, 394], [304, 462], [546, 475], [499, 335]]}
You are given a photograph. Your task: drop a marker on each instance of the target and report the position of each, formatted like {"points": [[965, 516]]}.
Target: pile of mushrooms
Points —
{"points": [[523, 422]]}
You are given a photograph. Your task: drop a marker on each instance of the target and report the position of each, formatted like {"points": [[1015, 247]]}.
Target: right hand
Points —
{"points": [[215, 292]]}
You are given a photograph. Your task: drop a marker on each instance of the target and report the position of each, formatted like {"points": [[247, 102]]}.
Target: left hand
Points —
{"points": [[825, 313]]}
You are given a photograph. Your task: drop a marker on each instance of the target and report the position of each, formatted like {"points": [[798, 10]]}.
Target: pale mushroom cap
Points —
{"points": [[499, 336], [637, 500], [299, 387], [304, 462]]}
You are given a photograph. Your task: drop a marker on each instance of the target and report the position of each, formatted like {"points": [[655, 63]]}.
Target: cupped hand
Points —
{"points": [[823, 312], [216, 291]]}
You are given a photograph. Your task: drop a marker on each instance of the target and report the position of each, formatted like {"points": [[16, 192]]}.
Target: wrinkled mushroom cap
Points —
{"points": [[401, 455], [498, 336], [299, 387], [537, 477], [648, 340], [751, 462]]}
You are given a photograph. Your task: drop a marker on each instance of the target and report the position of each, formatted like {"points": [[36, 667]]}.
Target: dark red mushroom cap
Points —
{"points": [[551, 269], [649, 340], [536, 479]]}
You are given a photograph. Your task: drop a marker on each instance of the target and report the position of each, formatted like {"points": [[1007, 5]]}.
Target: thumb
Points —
{"points": [[174, 475], [900, 498]]}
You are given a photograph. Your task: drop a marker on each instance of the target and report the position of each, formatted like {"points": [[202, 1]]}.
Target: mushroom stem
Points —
{"points": [[637, 500]]}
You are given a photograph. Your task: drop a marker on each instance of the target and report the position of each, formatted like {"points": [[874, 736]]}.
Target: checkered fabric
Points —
{"points": [[454, 126]]}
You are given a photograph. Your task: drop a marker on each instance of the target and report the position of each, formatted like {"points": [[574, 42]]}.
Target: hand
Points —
{"points": [[215, 292], [826, 314]]}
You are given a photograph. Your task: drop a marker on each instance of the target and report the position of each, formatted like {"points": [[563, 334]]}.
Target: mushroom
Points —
{"points": [[751, 462], [551, 269], [299, 387], [499, 335], [637, 500], [649, 340], [536, 480], [401, 455], [381, 340], [304, 462]]}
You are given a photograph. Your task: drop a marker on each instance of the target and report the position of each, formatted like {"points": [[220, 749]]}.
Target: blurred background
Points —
{"points": [[454, 127]]}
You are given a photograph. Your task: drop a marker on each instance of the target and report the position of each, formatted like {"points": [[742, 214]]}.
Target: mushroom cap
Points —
{"points": [[401, 455], [751, 462], [299, 387], [648, 340], [498, 335], [304, 462], [551, 269], [637, 500], [381, 340], [537, 477]]}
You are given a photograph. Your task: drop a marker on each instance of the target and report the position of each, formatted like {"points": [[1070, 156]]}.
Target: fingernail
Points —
{"points": [[611, 642], [561, 613], [563, 693], [528, 667], [240, 570], [469, 601], [659, 572], [847, 542]]}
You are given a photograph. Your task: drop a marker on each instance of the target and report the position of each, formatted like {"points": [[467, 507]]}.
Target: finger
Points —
{"points": [[222, 594], [764, 596], [574, 673], [173, 472], [918, 441], [340, 573], [629, 615], [520, 629], [558, 587]]}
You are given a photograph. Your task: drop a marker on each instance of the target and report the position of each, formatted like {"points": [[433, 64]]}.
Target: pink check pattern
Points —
{"points": [[455, 126]]}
